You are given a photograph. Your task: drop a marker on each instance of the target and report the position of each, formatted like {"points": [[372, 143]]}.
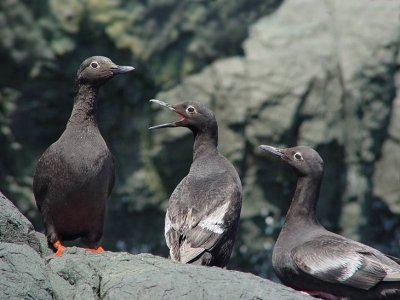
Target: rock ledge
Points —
{"points": [[29, 270]]}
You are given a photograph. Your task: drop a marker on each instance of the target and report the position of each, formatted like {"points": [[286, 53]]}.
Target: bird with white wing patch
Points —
{"points": [[309, 258], [204, 210]]}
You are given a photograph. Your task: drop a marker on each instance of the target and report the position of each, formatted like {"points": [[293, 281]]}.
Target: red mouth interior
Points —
{"points": [[182, 115]]}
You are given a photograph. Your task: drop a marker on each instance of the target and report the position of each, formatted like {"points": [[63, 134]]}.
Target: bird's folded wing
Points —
{"points": [[209, 229], [205, 235], [341, 261], [45, 164], [217, 222], [194, 241], [396, 259], [172, 238], [201, 230]]}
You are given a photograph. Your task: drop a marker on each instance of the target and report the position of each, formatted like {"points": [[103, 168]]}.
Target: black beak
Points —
{"points": [[273, 150], [122, 69], [171, 107]]}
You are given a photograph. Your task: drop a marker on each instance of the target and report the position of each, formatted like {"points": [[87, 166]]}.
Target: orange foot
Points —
{"points": [[98, 250], [60, 248]]}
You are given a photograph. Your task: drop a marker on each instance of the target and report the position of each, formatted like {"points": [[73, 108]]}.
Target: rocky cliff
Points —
{"points": [[28, 270]]}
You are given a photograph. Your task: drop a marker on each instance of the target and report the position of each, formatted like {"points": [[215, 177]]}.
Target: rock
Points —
{"points": [[387, 176], [316, 73], [16, 229], [144, 276], [78, 274], [24, 275]]}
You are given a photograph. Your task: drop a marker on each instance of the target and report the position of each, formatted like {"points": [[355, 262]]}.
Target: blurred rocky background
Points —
{"points": [[318, 73]]}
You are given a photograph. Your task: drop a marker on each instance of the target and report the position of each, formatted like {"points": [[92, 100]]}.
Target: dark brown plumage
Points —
{"points": [[75, 175], [310, 258]]}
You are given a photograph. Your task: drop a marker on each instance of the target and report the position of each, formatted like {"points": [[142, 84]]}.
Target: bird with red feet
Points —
{"points": [[74, 177]]}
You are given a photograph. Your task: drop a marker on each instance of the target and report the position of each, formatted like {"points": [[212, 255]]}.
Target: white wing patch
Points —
{"points": [[350, 267], [214, 221], [167, 226]]}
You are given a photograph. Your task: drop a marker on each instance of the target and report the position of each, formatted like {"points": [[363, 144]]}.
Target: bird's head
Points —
{"points": [[304, 160], [195, 116], [97, 70]]}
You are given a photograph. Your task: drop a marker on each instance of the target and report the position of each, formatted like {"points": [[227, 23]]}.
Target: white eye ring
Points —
{"points": [[298, 156], [94, 64], [190, 109]]}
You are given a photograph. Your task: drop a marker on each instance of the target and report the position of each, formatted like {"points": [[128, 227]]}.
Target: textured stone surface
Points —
{"points": [[15, 228], [316, 73], [144, 276], [23, 273], [77, 274]]}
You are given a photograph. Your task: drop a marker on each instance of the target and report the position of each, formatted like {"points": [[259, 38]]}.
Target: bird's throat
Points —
{"points": [[205, 143], [304, 202], [85, 105]]}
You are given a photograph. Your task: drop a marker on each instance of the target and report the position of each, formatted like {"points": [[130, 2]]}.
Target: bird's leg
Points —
{"points": [[323, 295], [60, 248], [97, 250]]}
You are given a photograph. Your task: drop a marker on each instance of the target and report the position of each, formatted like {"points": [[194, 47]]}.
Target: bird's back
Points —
{"points": [[204, 211], [207, 186]]}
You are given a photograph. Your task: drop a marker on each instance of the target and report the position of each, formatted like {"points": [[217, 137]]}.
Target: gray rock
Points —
{"points": [[78, 274], [23, 273], [144, 276], [15, 228]]}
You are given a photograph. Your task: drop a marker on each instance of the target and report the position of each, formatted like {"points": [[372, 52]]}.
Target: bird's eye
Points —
{"points": [[298, 156], [190, 109], [94, 65]]}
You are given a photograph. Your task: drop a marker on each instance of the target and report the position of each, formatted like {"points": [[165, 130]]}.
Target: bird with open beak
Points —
{"points": [[204, 210]]}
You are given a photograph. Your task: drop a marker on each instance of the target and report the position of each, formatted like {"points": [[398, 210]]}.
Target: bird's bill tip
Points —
{"points": [[162, 103], [273, 150], [122, 69]]}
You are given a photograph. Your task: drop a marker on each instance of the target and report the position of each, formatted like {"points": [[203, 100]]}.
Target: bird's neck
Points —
{"points": [[304, 203], [205, 142], [85, 105]]}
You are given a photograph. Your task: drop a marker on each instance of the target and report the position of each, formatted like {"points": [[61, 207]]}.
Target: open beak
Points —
{"points": [[122, 69], [171, 107], [273, 150]]}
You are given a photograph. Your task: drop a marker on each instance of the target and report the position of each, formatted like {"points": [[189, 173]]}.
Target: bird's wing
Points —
{"points": [[172, 238], [339, 260], [42, 176], [171, 229], [112, 178], [396, 259], [191, 228]]}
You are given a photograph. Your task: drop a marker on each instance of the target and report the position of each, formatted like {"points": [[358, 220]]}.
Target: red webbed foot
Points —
{"points": [[98, 250], [60, 248]]}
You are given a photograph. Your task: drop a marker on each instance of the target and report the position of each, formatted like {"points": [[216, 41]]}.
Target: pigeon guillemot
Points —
{"points": [[75, 175], [204, 210], [310, 258]]}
